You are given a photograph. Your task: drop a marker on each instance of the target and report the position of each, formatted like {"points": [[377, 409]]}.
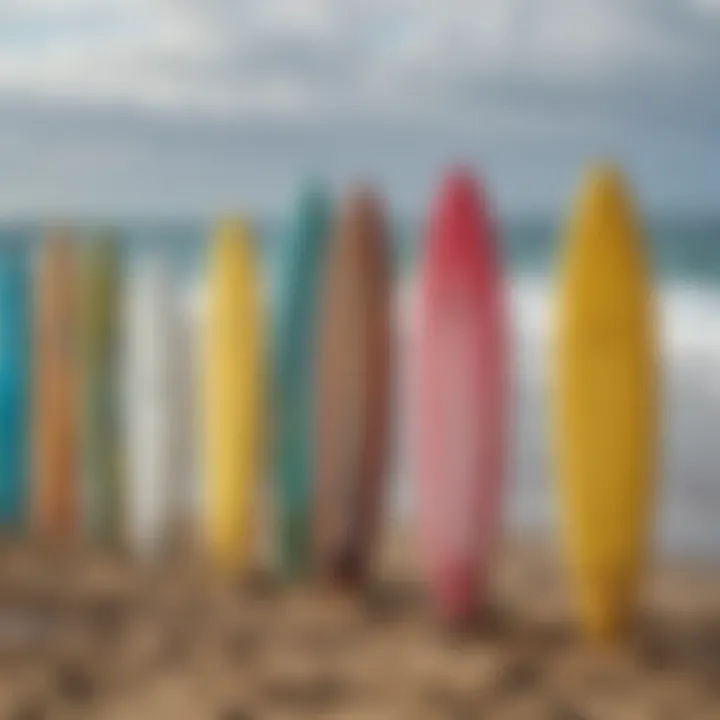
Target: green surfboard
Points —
{"points": [[99, 309], [295, 378]]}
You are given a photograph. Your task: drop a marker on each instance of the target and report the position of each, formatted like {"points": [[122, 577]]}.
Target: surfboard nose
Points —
{"points": [[605, 179], [605, 202], [461, 221], [363, 212], [461, 197]]}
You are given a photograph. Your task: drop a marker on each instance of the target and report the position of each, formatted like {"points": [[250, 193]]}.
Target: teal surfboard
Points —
{"points": [[14, 386], [295, 377], [99, 312]]}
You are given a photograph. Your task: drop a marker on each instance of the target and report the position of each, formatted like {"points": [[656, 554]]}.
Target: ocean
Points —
{"points": [[685, 256]]}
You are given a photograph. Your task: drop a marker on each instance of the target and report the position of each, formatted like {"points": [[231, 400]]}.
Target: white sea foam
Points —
{"points": [[689, 337]]}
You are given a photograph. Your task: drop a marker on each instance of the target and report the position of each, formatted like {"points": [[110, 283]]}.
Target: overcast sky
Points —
{"points": [[199, 106]]}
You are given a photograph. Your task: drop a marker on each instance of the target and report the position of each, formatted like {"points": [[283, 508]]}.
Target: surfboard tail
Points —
{"points": [[606, 601], [458, 595]]}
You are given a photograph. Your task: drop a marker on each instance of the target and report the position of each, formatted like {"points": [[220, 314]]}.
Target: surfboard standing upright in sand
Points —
{"points": [[462, 379], [353, 378], [15, 378], [154, 491], [234, 396], [604, 401], [55, 512], [296, 379], [100, 427]]}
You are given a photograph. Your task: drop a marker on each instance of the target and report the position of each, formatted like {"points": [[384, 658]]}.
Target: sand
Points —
{"points": [[90, 636]]}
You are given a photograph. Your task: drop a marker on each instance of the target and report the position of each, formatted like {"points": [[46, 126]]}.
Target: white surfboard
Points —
{"points": [[154, 490], [189, 307]]}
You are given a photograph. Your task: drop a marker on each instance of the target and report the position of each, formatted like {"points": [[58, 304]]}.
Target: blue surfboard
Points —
{"points": [[14, 386], [295, 377]]}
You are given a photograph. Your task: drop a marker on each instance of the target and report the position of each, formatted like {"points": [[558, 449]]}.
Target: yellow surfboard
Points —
{"points": [[233, 390], [604, 402]]}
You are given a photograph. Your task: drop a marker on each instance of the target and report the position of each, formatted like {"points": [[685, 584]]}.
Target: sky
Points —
{"points": [[195, 107]]}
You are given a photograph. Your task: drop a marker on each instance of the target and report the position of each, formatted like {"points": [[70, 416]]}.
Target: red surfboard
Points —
{"points": [[461, 398]]}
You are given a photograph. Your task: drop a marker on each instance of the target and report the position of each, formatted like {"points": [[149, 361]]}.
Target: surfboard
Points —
{"points": [[462, 387], [295, 379], [187, 402], [234, 396], [14, 386], [604, 401], [353, 380], [55, 512], [154, 488], [99, 342]]}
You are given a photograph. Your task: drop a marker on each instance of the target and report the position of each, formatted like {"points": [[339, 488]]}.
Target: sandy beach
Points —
{"points": [[96, 637]]}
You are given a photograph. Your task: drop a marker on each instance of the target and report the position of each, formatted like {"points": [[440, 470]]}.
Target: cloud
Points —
{"points": [[129, 100], [305, 56]]}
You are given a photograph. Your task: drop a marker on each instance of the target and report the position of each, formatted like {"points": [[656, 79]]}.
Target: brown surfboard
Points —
{"points": [[351, 410], [56, 504]]}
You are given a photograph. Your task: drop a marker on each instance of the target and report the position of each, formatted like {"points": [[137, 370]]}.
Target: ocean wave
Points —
{"points": [[689, 457]]}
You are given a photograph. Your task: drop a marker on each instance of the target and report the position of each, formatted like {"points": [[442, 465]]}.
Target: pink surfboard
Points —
{"points": [[461, 399]]}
